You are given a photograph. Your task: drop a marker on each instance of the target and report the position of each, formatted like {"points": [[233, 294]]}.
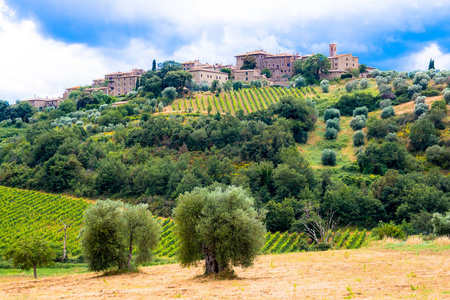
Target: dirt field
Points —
{"points": [[356, 274]]}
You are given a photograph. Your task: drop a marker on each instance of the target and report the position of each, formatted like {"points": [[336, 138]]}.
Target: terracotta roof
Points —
{"points": [[253, 53], [207, 70], [73, 88]]}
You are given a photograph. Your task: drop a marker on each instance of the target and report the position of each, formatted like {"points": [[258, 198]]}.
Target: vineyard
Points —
{"points": [[24, 213], [249, 100], [276, 243]]}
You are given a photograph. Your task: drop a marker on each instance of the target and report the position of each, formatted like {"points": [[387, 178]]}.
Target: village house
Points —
{"points": [[340, 64], [40, 103], [121, 83], [205, 72]]}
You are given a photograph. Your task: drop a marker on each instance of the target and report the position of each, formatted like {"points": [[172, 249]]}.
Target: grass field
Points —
{"points": [[370, 273]]}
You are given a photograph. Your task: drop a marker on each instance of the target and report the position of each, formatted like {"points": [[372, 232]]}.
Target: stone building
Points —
{"points": [[340, 64], [38, 102], [248, 75], [280, 65], [69, 90], [200, 75], [121, 83]]}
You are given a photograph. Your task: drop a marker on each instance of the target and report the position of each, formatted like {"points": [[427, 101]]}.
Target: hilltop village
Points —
{"points": [[275, 69]]}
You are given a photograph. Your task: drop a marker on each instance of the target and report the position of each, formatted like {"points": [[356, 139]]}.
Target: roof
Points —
{"points": [[191, 62], [73, 88], [206, 70], [41, 99], [253, 53]]}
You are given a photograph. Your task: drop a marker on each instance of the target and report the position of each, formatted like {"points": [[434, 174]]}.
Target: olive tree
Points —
{"points": [[220, 226], [32, 252], [111, 231], [170, 92], [325, 86]]}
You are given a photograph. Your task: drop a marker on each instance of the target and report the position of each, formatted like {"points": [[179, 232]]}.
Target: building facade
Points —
{"points": [[200, 75], [248, 75], [121, 83], [40, 103], [340, 64]]}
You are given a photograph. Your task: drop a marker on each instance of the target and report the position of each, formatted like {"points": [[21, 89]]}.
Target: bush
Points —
{"points": [[420, 109], [170, 93], [349, 102], [331, 133], [364, 83], [439, 156], [358, 138], [358, 122], [441, 223], [328, 157], [391, 137], [334, 123], [325, 86], [331, 113], [388, 230], [385, 103], [360, 111], [447, 96], [387, 112], [420, 99]]}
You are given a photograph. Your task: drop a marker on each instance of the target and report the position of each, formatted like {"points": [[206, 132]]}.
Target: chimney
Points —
{"points": [[333, 50]]}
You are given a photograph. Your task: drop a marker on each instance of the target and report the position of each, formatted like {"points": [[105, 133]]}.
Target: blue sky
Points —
{"points": [[48, 45]]}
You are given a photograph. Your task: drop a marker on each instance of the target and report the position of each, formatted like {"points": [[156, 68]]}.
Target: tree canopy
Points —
{"points": [[220, 225], [312, 67]]}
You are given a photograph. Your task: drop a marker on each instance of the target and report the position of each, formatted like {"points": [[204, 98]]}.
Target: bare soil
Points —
{"points": [[357, 274]]}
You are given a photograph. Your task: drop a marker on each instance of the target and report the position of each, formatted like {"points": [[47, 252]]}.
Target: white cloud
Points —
{"points": [[421, 59]]}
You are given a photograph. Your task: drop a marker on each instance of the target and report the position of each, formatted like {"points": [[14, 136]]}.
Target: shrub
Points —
{"points": [[420, 99], [331, 133], [438, 156], [360, 111], [391, 137], [440, 104], [447, 96], [387, 112], [358, 138], [441, 223], [358, 122], [334, 123], [331, 113], [385, 103], [420, 109], [350, 86], [170, 93], [388, 230], [328, 157], [325, 86], [364, 83]]}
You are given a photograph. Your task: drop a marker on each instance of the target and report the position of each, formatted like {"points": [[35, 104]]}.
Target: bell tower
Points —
{"points": [[333, 50]]}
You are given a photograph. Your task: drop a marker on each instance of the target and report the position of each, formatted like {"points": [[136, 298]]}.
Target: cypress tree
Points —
{"points": [[154, 65], [431, 64]]}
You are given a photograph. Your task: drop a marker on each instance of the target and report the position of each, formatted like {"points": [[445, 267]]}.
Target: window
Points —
{"points": [[346, 58], [246, 78], [346, 64], [289, 64], [278, 66]]}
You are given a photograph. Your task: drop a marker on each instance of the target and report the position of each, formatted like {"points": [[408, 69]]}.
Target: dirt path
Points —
{"points": [[362, 274]]}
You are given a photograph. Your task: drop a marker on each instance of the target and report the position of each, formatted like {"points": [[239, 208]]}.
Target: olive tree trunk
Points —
{"points": [[130, 253], [211, 264], [34, 271]]}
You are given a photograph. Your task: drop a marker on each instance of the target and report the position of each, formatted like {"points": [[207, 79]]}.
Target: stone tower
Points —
{"points": [[333, 50]]}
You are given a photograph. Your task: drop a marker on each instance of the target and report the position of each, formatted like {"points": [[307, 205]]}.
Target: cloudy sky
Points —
{"points": [[48, 45]]}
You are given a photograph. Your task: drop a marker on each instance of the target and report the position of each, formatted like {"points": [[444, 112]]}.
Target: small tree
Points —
{"points": [[320, 229], [266, 72], [360, 111], [328, 157], [334, 123], [32, 252], [387, 112], [220, 226], [249, 63], [331, 133], [364, 83], [358, 122], [170, 93], [331, 113], [358, 138], [441, 223], [325, 86]]}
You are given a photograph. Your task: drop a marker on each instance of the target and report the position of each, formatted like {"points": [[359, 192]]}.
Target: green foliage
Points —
{"points": [[334, 123], [325, 86], [220, 224], [358, 138], [328, 157], [32, 252], [68, 106], [361, 111], [249, 63], [388, 230], [331, 133], [422, 135], [170, 93], [349, 102], [358, 122], [377, 158], [111, 229], [441, 223], [387, 112], [439, 156], [312, 67], [266, 72], [331, 113]]}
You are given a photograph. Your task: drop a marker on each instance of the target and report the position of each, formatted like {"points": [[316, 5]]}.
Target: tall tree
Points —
{"points": [[249, 63], [431, 64], [154, 65], [221, 226], [312, 67]]}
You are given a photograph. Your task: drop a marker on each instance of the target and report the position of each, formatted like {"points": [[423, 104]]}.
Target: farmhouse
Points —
{"points": [[39, 102]]}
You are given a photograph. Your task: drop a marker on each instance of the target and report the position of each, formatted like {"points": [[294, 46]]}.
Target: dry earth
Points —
{"points": [[356, 274]]}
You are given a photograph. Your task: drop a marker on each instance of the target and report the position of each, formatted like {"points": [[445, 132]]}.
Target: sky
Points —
{"points": [[49, 45]]}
